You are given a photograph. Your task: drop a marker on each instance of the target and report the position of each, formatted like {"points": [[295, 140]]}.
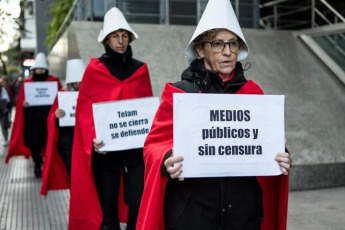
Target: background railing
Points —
{"points": [[314, 14], [293, 14], [176, 12]]}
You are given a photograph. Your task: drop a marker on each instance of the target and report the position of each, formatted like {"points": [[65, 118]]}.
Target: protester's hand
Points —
{"points": [[98, 144], [59, 113], [285, 161], [173, 166], [25, 104]]}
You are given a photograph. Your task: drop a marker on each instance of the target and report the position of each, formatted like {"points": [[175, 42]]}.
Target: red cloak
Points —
{"points": [[160, 141], [16, 145], [54, 173], [98, 85]]}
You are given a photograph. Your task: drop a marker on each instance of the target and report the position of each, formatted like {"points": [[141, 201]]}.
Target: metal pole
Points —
{"points": [[198, 9], [312, 13], [275, 14], [91, 9], [237, 2], [167, 12]]}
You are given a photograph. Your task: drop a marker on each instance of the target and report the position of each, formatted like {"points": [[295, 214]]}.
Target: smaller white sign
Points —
{"points": [[67, 102], [228, 134], [124, 124], [40, 93]]}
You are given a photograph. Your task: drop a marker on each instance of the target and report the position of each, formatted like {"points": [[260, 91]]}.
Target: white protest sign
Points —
{"points": [[40, 93], [67, 102], [228, 134], [124, 124]]}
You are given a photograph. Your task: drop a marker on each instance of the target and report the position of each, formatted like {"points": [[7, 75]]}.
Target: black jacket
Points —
{"points": [[121, 66], [212, 203], [35, 122]]}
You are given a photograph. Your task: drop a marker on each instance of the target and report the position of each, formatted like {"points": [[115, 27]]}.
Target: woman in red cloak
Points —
{"points": [[246, 203]]}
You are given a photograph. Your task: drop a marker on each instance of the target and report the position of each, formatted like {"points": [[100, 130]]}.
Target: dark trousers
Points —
{"points": [[66, 158], [108, 184], [36, 155]]}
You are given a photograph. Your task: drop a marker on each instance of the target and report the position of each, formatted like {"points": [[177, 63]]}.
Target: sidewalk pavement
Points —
{"points": [[22, 208]]}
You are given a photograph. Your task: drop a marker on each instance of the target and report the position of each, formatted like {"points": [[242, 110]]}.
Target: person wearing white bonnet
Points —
{"points": [[40, 62], [171, 202], [33, 119], [75, 69], [116, 75], [58, 155]]}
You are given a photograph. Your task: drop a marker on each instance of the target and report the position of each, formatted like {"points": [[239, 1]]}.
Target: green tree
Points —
{"points": [[58, 10], [9, 33]]}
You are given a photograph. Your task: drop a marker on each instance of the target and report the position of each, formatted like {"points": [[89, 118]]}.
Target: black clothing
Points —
{"points": [[37, 158], [198, 79], [40, 77], [64, 146], [121, 66], [107, 168], [192, 204], [108, 183], [35, 127]]}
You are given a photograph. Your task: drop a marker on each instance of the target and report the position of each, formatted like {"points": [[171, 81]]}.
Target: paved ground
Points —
{"points": [[22, 208]]}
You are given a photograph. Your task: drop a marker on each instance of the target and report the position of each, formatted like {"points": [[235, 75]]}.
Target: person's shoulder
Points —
{"points": [[251, 87], [186, 86], [52, 77], [137, 63]]}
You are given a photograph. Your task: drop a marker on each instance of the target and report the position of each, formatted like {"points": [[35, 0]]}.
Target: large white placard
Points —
{"points": [[124, 124], [228, 134], [40, 93], [67, 102]]}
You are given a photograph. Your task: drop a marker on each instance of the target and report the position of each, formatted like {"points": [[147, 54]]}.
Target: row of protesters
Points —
{"points": [[143, 187], [56, 172], [100, 178], [172, 202], [29, 131], [4, 113]]}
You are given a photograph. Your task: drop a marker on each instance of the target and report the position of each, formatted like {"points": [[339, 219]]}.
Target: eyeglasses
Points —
{"points": [[219, 45]]}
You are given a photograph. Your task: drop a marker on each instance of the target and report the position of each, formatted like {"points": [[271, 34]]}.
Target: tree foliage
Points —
{"points": [[10, 27], [58, 10]]}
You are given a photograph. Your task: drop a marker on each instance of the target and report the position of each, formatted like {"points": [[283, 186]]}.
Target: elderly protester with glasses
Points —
{"points": [[170, 202]]}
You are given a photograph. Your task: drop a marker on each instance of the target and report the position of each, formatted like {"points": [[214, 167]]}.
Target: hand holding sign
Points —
{"points": [[173, 166], [97, 145], [67, 105], [40, 93], [229, 135], [59, 113], [124, 124]]}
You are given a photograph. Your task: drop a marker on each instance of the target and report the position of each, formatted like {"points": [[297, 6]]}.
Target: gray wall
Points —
{"points": [[280, 63]]}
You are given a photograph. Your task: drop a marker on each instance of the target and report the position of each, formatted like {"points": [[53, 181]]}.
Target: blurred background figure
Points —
{"points": [[10, 88], [4, 110], [56, 171], [29, 132]]}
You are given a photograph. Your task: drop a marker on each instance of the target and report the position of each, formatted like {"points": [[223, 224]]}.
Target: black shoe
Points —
{"points": [[38, 171]]}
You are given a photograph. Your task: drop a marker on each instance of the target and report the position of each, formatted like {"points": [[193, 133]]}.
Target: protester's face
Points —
{"points": [[118, 41], [75, 86], [39, 71], [222, 62]]}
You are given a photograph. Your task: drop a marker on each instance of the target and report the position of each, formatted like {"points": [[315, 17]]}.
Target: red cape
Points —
{"points": [[98, 85], [16, 145], [54, 173], [160, 141]]}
